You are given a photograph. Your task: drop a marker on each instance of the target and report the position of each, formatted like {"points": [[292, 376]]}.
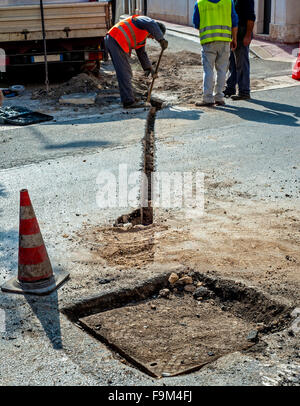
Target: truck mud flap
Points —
{"points": [[21, 116]]}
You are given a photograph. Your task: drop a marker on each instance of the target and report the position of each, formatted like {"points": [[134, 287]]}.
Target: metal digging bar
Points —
{"points": [[153, 80], [45, 46], [144, 215], [149, 154], [148, 169]]}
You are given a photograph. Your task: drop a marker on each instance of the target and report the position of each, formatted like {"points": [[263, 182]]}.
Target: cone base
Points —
{"points": [[40, 288]]}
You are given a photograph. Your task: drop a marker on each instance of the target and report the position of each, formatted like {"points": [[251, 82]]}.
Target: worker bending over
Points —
{"points": [[121, 39]]}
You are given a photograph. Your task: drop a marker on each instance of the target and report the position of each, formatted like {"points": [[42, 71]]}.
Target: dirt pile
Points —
{"points": [[180, 79], [180, 76], [81, 83], [122, 247]]}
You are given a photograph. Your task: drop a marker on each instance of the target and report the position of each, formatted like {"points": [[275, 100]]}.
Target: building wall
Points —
{"points": [[285, 16], [191, 11], [174, 11], [285, 20], [286, 24]]}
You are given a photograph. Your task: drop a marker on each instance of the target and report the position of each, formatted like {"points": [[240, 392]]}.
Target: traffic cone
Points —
{"points": [[35, 274], [296, 70]]}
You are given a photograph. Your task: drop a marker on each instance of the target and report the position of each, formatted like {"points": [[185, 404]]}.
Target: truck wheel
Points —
{"points": [[17, 88]]}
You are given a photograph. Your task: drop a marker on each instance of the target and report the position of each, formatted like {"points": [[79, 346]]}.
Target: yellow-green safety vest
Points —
{"points": [[215, 21]]}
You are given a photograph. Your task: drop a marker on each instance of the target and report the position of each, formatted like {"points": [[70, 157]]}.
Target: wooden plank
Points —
{"points": [[35, 13], [18, 23], [53, 17], [73, 25], [50, 6], [52, 12], [66, 22], [84, 19], [35, 36]]}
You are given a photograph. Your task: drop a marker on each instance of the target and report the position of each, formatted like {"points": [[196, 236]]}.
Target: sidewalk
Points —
{"points": [[262, 49], [272, 51]]}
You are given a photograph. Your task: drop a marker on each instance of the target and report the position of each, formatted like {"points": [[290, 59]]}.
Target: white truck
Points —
{"points": [[74, 32]]}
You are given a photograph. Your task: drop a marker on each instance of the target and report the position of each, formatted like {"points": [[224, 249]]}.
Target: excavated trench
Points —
{"points": [[167, 329], [144, 215]]}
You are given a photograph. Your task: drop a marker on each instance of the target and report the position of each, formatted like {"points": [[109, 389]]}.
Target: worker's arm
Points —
{"points": [[196, 16], [248, 37], [251, 17], [234, 30], [143, 58], [233, 44]]}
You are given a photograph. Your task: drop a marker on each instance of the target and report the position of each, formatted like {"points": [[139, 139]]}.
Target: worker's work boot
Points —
{"points": [[134, 104], [241, 97], [204, 104], [228, 93]]}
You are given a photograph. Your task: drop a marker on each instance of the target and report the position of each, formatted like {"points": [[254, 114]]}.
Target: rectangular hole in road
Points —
{"points": [[168, 336]]}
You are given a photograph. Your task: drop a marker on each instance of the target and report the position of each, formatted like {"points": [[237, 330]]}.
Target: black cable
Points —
{"points": [[45, 46]]}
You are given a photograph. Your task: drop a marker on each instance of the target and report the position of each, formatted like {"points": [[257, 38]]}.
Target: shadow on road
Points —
{"points": [[120, 115], [82, 144], [9, 241], [287, 108], [3, 192], [78, 144], [19, 318], [87, 143], [273, 115], [46, 310]]}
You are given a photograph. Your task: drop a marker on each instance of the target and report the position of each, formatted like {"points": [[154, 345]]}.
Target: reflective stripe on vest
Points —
{"points": [[132, 38], [216, 27], [215, 21], [127, 37]]}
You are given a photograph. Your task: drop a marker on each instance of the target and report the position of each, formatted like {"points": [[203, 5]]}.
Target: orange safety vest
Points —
{"points": [[128, 36]]}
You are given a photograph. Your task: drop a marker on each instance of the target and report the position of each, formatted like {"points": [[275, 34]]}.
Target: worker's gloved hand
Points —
{"points": [[152, 72], [164, 44]]}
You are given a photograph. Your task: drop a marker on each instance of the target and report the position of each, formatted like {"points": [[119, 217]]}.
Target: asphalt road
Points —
{"points": [[259, 138], [255, 143]]}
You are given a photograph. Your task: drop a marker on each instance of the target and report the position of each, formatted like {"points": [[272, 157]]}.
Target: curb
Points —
{"points": [[183, 32]]}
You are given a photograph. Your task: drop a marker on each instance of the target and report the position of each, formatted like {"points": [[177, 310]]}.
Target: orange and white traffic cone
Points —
{"points": [[296, 70], [35, 274]]}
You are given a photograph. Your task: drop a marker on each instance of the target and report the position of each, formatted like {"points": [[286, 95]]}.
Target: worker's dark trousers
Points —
{"points": [[123, 69], [239, 71]]}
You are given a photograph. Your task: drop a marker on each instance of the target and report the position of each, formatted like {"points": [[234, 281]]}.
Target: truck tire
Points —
{"points": [[17, 88]]}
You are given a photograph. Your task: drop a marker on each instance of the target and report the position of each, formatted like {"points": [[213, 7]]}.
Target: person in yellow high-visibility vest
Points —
{"points": [[217, 22]]}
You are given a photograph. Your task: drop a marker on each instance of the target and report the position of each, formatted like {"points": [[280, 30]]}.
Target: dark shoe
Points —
{"points": [[220, 103], [134, 105], [241, 97], [228, 93], [204, 104]]}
